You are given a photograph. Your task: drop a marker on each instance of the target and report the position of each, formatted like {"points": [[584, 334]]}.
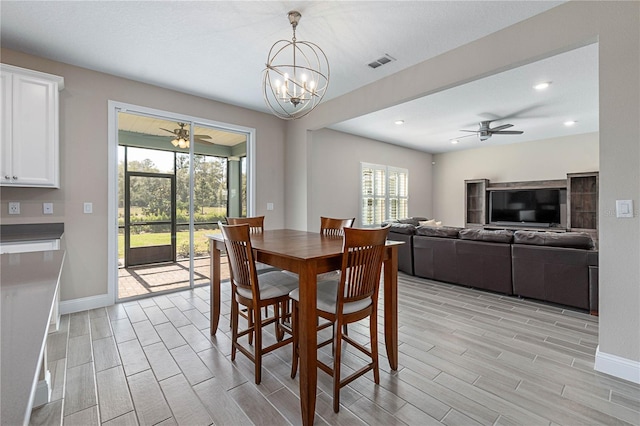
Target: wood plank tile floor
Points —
{"points": [[466, 358]]}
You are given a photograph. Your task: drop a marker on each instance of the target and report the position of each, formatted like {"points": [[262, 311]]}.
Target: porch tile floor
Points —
{"points": [[148, 279]]}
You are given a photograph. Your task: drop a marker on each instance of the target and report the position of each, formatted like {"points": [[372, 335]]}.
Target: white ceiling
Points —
{"points": [[217, 50]]}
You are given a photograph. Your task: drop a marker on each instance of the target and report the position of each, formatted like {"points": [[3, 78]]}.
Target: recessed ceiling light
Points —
{"points": [[454, 141], [570, 123], [542, 86], [399, 122]]}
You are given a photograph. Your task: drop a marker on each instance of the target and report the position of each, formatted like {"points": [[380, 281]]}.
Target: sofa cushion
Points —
{"points": [[410, 221], [487, 235], [431, 222], [402, 228], [576, 240], [440, 231]]}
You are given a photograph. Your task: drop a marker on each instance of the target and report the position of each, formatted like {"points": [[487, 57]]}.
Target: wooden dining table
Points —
{"points": [[308, 254]]}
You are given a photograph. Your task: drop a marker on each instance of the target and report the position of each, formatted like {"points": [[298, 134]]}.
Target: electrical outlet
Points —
{"points": [[14, 207], [47, 208]]}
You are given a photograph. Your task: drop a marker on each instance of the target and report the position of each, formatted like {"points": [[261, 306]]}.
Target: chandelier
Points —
{"points": [[296, 76]]}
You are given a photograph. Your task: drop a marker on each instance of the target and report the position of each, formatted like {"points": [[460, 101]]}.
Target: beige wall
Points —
{"points": [[527, 161], [616, 28], [614, 25], [83, 162], [334, 174]]}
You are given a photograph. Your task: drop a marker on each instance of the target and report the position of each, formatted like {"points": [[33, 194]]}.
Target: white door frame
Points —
{"points": [[112, 210]]}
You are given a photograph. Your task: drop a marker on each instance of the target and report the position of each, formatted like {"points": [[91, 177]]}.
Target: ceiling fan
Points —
{"points": [[485, 131], [182, 136]]}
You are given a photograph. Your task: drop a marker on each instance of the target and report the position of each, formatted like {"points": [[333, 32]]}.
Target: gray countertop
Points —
{"points": [[31, 232], [28, 285]]}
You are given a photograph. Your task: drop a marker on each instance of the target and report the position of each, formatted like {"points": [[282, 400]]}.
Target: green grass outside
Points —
{"points": [[201, 242], [137, 211]]}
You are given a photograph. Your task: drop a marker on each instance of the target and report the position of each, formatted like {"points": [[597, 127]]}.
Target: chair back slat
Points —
{"points": [[242, 268], [332, 227], [256, 223], [363, 251]]}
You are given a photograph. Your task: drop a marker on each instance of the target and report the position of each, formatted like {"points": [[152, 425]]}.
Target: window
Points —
{"points": [[384, 193]]}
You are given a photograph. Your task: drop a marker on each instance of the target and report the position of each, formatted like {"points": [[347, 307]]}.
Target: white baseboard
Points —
{"points": [[85, 303], [617, 366], [42, 393]]}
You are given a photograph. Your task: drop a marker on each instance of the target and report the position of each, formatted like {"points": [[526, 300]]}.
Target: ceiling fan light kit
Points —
{"points": [[296, 75], [182, 139]]}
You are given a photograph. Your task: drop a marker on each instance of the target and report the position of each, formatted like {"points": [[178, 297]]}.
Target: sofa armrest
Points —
{"points": [[405, 251]]}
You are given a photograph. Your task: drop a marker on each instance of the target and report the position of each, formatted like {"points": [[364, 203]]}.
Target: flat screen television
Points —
{"points": [[528, 207]]}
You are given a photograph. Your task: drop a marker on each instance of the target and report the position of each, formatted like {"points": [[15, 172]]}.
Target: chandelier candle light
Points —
{"points": [[296, 76]]}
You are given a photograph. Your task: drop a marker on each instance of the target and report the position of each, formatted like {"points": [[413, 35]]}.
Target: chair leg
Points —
{"points": [[257, 349], [373, 327], [279, 333], [234, 328], [294, 343], [337, 352], [250, 324]]}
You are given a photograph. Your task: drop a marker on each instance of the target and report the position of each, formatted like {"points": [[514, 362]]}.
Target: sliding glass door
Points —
{"points": [[176, 180]]}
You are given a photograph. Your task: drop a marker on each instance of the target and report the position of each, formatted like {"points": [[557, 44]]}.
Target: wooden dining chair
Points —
{"points": [[333, 227], [254, 292], [256, 223], [352, 298], [256, 226]]}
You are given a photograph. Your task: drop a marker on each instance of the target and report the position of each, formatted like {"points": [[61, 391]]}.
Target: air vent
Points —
{"points": [[381, 61]]}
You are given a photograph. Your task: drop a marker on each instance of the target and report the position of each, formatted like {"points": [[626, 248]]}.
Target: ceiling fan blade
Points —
{"points": [[508, 132], [465, 136], [167, 130], [472, 131], [502, 127]]}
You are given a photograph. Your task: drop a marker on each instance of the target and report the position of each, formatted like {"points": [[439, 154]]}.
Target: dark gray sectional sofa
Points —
{"points": [[554, 267]]}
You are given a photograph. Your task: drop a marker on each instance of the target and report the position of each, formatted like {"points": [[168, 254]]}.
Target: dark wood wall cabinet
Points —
{"points": [[475, 202], [582, 201]]}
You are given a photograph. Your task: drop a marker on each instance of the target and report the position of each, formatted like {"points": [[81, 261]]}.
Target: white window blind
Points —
{"points": [[384, 193]]}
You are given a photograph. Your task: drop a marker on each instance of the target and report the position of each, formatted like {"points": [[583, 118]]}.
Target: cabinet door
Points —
{"points": [[5, 131], [35, 132]]}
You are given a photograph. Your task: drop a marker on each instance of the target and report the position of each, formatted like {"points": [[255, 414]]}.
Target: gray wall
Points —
{"points": [[334, 174], [527, 161], [83, 154], [616, 28]]}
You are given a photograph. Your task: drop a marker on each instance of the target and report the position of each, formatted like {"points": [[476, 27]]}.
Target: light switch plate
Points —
{"points": [[88, 208], [269, 206], [47, 208], [624, 208]]}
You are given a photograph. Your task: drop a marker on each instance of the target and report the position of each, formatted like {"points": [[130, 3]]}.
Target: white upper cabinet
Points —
{"points": [[29, 145]]}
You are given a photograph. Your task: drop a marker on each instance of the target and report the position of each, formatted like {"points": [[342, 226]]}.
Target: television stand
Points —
{"points": [[526, 226]]}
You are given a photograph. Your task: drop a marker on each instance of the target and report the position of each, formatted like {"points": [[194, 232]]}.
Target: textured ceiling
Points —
{"points": [[217, 50]]}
